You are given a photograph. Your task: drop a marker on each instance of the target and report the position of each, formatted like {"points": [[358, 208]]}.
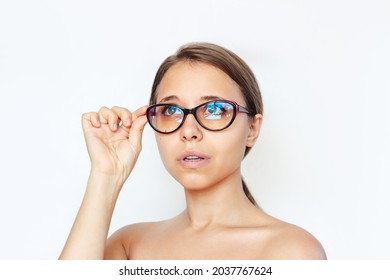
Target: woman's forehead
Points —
{"points": [[195, 82]]}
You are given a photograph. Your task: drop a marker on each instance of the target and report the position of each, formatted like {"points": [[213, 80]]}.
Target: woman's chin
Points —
{"points": [[193, 182]]}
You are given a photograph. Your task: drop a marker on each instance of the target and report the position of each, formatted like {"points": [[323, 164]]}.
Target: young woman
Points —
{"points": [[206, 109]]}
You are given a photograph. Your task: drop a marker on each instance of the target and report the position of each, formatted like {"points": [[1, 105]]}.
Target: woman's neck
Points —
{"points": [[222, 204]]}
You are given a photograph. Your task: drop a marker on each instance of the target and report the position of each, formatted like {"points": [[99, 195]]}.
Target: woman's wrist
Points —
{"points": [[105, 185]]}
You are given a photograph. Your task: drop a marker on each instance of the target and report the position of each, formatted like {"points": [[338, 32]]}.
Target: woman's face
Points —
{"points": [[198, 158]]}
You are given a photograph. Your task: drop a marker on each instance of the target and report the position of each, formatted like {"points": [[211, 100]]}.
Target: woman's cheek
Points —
{"points": [[167, 151]]}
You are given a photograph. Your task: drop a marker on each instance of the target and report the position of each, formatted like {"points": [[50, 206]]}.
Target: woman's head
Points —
{"points": [[223, 59], [198, 73]]}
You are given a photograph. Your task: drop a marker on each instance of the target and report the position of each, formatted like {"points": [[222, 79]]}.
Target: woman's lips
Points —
{"points": [[193, 160]]}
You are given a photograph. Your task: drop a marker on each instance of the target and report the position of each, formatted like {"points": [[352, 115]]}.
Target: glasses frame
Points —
{"points": [[237, 109]]}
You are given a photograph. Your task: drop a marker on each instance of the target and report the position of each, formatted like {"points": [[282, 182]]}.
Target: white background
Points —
{"points": [[323, 159]]}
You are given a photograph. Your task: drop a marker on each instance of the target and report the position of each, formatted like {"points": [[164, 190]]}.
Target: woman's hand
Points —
{"points": [[114, 139]]}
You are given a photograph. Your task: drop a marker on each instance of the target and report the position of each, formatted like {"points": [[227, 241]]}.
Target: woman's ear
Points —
{"points": [[254, 130]]}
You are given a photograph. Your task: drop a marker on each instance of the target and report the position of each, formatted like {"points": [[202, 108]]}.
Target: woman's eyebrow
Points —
{"points": [[169, 98], [203, 98], [210, 97]]}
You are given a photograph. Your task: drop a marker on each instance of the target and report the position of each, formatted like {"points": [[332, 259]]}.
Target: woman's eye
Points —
{"points": [[170, 110], [214, 109]]}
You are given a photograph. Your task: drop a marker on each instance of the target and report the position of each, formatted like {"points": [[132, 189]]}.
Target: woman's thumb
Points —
{"points": [[137, 127]]}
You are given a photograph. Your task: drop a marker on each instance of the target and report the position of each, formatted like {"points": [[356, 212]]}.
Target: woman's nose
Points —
{"points": [[190, 130]]}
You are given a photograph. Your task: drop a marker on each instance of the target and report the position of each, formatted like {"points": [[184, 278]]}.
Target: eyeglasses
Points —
{"points": [[213, 115]]}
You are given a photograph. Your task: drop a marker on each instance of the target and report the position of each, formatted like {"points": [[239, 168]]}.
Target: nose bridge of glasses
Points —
{"points": [[190, 112]]}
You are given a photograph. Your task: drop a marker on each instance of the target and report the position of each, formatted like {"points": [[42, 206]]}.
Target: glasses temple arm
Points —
{"points": [[243, 109]]}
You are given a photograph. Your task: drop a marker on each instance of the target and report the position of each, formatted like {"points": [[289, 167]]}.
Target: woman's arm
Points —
{"points": [[90, 229], [113, 138]]}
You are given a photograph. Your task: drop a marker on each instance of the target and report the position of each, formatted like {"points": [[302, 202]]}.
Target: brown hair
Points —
{"points": [[228, 62]]}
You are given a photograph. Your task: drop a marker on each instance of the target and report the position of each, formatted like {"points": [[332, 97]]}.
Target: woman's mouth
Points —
{"points": [[193, 160]]}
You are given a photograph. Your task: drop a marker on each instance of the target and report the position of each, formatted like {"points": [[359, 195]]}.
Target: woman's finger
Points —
{"points": [[139, 112], [137, 128], [109, 117], [91, 118], [124, 115]]}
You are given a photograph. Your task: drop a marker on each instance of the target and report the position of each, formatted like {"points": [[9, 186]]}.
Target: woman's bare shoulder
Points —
{"points": [[119, 243], [136, 229], [288, 241]]}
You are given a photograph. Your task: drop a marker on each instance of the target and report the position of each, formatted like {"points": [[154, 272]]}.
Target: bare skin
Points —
{"points": [[171, 239], [219, 221]]}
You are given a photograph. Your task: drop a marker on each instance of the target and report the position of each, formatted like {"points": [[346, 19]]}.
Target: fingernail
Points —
{"points": [[114, 126], [128, 122]]}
